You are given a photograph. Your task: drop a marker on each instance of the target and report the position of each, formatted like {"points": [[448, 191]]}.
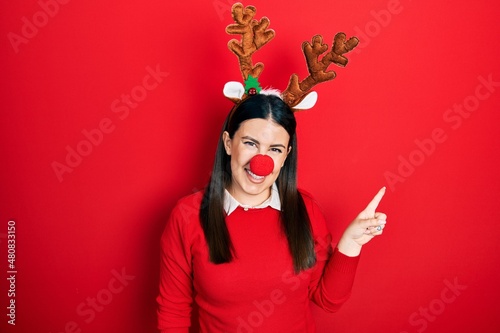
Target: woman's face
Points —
{"points": [[255, 136]]}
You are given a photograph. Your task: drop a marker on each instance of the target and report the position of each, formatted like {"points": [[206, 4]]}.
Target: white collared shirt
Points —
{"points": [[230, 203]]}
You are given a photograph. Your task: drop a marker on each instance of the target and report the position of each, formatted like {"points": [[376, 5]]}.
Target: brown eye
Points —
{"points": [[276, 150], [250, 143]]}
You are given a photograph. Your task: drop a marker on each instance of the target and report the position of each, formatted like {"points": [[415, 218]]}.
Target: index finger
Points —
{"points": [[372, 206]]}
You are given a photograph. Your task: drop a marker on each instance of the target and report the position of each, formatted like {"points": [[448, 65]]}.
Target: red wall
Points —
{"points": [[416, 110]]}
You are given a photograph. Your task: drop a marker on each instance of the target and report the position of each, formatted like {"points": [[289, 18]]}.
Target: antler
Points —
{"points": [[254, 35], [296, 92]]}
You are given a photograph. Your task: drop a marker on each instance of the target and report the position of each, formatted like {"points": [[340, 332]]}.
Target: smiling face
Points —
{"points": [[255, 136]]}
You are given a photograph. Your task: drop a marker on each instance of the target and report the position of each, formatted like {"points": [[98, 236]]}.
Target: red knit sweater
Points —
{"points": [[257, 292]]}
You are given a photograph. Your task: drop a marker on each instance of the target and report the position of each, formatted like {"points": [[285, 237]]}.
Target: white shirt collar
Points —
{"points": [[230, 203]]}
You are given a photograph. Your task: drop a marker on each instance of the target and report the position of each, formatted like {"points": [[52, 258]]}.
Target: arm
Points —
{"points": [[365, 226], [332, 277], [175, 294]]}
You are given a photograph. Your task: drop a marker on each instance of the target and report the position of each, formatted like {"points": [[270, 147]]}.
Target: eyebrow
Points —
{"points": [[257, 142]]}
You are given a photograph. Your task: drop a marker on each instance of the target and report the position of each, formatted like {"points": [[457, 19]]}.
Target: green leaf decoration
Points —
{"points": [[252, 82]]}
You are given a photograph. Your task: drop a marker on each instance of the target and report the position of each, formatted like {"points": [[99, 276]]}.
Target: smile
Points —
{"points": [[253, 175]]}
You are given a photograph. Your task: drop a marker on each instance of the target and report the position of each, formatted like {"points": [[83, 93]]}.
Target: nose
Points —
{"points": [[261, 165]]}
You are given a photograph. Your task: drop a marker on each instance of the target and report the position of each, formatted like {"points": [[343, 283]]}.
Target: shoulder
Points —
{"points": [[305, 194], [183, 222], [192, 200], [187, 208], [314, 210], [309, 200]]}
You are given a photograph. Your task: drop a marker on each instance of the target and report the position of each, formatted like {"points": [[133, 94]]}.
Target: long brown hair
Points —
{"points": [[294, 218]]}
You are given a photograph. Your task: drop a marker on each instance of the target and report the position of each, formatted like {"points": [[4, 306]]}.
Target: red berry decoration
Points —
{"points": [[261, 165], [252, 91]]}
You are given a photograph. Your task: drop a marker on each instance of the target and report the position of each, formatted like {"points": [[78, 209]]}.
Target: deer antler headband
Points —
{"points": [[255, 34]]}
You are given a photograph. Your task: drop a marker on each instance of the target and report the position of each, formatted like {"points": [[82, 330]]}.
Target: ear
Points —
{"points": [[234, 91], [287, 153], [307, 102], [226, 139]]}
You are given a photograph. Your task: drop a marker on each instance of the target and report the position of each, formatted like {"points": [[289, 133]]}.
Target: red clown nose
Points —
{"points": [[261, 165]]}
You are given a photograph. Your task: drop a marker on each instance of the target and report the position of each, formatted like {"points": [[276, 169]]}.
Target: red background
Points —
{"points": [[416, 63]]}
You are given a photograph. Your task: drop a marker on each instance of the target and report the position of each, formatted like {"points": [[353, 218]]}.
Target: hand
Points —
{"points": [[365, 226]]}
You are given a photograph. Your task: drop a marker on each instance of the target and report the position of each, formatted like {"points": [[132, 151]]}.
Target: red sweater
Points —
{"points": [[258, 292]]}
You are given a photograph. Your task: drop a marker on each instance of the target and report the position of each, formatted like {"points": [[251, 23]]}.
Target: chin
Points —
{"points": [[251, 187]]}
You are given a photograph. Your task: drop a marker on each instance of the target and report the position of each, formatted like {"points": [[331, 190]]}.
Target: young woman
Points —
{"points": [[252, 250]]}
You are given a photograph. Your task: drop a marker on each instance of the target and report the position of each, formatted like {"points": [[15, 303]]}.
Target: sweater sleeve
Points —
{"points": [[176, 288], [333, 275]]}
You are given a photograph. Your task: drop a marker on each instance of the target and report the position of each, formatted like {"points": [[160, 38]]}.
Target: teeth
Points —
{"points": [[254, 175]]}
